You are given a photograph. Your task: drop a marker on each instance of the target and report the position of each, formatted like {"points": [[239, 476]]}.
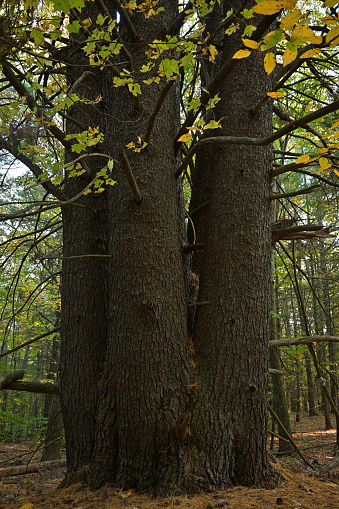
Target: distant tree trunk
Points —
{"points": [[310, 386], [52, 371], [279, 401], [328, 330], [53, 439]]}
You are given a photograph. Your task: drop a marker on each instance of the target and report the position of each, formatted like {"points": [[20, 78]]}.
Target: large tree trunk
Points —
{"points": [[229, 425], [145, 379]]}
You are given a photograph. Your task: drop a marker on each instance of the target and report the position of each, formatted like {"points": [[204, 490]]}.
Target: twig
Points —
{"points": [[198, 304], [130, 177], [194, 247], [304, 340], [160, 101], [53, 331]]}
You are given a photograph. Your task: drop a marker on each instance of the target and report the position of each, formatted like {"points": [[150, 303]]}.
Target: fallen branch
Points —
{"points": [[38, 387], [30, 469]]}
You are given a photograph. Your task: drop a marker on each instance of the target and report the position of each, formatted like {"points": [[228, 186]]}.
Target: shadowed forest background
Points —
{"points": [[169, 244]]}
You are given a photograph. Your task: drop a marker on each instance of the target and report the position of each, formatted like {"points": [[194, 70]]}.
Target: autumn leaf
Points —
{"points": [[289, 56], [242, 53], [324, 164], [332, 34], [185, 137], [310, 53], [275, 94], [269, 62], [27, 506], [291, 19], [305, 158], [271, 7], [330, 3], [250, 44]]}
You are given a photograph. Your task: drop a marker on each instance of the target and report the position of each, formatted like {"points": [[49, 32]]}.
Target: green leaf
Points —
{"points": [[37, 36], [169, 66]]}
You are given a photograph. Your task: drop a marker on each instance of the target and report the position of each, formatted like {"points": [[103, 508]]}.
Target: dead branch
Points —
{"points": [[305, 340], [9, 378], [38, 387], [306, 190], [57, 329], [34, 467]]}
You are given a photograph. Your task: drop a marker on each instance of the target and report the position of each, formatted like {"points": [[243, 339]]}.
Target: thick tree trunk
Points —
{"points": [[145, 379], [229, 417]]}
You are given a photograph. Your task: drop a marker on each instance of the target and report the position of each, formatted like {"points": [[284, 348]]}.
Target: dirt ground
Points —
{"points": [[299, 486]]}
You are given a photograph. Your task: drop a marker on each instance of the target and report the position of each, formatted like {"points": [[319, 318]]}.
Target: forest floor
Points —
{"points": [[299, 486]]}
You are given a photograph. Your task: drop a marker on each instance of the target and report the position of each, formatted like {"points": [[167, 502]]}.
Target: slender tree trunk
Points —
{"points": [[84, 287]]}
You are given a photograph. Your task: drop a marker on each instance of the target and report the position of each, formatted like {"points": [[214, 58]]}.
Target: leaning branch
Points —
{"points": [[53, 331], [288, 436], [219, 78]]}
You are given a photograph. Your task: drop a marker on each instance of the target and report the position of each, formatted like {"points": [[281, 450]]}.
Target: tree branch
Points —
{"points": [[306, 190], [304, 340], [53, 331], [239, 140]]}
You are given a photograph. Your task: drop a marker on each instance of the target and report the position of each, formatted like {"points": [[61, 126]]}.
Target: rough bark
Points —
{"points": [[84, 312], [145, 378], [229, 424]]}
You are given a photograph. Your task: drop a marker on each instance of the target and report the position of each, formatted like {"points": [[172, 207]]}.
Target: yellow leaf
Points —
{"points": [[291, 19], [308, 107], [100, 190], [336, 171], [269, 62], [310, 53], [26, 506], [267, 7], [84, 193], [303, 159], [275, 94], [288, 4], [271, 7], [335, 125], [330, 3], [329, 20], [289, 56], [322, 150], [242, 53], [250, 44], [332, 34], [324, 164], [310, 35], [185, 137]]}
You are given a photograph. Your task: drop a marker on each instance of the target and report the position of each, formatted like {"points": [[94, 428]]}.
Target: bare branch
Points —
{"points": [[130, 177], [53, 331], [306, 190], [37, 387], [304, 340]]}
